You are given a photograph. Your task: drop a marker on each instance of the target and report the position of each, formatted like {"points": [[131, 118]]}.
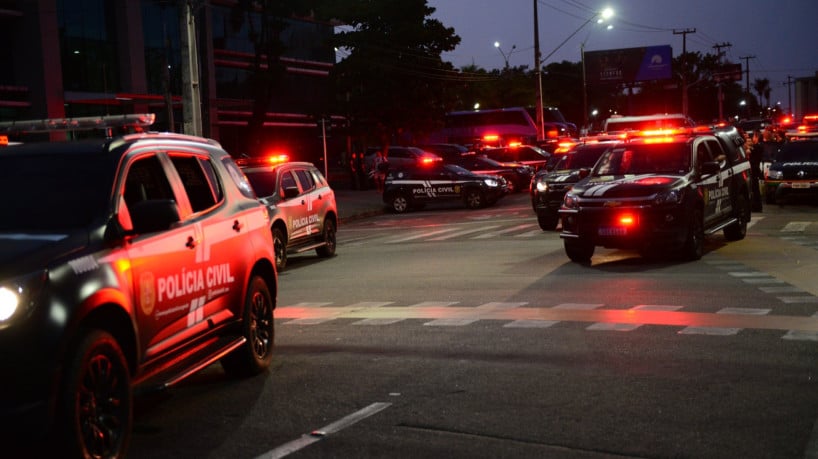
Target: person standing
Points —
{"points": [[353, 171], [756, 154], [381, 166], [360, 168]]}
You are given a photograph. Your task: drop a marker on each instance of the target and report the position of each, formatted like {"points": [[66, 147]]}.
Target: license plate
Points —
{"points": [[800, 185], [612, 231]]}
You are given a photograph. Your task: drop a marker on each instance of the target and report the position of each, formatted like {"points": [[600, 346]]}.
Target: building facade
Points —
{"points": [[77, 58]]}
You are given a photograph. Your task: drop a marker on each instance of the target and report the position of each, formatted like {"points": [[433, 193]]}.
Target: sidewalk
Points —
{"points": [[355, 204]]}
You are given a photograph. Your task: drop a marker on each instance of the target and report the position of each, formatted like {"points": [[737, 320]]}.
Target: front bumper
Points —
{"points": [[648, 226]]}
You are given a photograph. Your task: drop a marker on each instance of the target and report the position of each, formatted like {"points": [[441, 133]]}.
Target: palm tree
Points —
{"points": [[762, 87]]}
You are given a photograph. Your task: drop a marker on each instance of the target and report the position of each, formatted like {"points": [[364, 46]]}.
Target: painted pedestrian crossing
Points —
{"points": [[522, 315]]}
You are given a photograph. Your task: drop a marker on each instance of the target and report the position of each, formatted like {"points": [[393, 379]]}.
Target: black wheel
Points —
{"points": [[96, 403], [280, 248], [327, 250], [400, 203], [548, 220], [694, 245], [738, 230], [578, 250], [256, 354], [474, 199]]}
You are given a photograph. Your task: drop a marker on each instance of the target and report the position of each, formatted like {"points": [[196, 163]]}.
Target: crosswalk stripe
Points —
{"points": [[463, 233], [723, 331]]}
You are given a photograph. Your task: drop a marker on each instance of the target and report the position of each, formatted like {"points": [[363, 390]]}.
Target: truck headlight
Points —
{"points": [[773, 174], [668, 197], [491, 182], [9, 302], [570, 201], [542, 186]]}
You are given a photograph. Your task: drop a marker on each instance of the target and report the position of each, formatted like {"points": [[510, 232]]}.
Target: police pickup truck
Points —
{"points": [[436, 182], [303, 212], [126, 265], [658, 193]]}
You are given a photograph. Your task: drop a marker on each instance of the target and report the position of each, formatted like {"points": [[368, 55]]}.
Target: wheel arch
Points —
{"points": [[266, 270]]}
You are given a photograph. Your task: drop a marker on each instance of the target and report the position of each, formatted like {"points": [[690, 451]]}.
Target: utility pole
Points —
{"points": [[719, 46], [719, 80], [191, 97], [684, 33], [747, 71], [538, 72], [789, 84]]}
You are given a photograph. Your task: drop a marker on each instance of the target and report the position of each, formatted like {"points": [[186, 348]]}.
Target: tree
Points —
{"points": [[762, 88], [393, 82], [265, 21]]}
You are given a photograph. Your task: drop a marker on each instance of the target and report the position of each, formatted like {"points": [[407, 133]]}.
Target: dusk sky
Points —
{"points": [[781, 34]]}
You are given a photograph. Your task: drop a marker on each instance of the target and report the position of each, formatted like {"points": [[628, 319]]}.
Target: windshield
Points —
{"points": [[806, 151], [581, 157], [669, 158], [46, 192]]}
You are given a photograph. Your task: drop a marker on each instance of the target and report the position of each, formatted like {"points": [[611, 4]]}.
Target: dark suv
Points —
{"points": [[660, 194], [303, 213], [548, 187], [415, 187], [126, 265]]}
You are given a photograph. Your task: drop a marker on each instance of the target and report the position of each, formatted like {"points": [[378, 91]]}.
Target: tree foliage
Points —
{"points": [[393, 80]]}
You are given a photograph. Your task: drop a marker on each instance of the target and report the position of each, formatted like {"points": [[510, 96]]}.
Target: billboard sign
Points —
{"points": [[629, 65]]}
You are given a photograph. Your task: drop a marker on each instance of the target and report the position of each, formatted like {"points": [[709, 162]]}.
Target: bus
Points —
{"points": [[500, 127]]}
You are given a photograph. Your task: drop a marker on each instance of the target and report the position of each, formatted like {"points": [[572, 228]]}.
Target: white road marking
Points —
{"points": [[319, 434]]}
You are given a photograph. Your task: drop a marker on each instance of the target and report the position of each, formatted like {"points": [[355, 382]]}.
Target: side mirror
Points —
{"points": [[154, 215], [584, 172]]}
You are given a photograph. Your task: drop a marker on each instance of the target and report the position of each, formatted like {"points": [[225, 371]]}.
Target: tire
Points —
{"points": [[548, 220], [280, 248], [693, 248], [327, 250], [738, 230], [473, 199], [256, 354], [399, 203], [578, 250], [96, 406]]}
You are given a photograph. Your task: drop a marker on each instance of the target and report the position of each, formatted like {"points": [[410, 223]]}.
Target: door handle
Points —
{"points": [[191, 243], [237, 226]]}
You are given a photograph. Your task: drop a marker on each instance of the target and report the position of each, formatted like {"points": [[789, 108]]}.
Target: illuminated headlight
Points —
{"points": [[570, 201], [668, 197], [9, 302], [773, 174], [542, 186], [18, 295], [491, 182]]}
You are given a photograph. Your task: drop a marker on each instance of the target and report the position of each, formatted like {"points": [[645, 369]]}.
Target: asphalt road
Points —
{"points": [[463, 333]]}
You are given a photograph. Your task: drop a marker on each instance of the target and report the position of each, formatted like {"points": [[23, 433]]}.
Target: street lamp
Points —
{"points": [[599, 17], [505, 56]]}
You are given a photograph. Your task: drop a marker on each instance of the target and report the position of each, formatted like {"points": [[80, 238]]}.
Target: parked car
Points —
{"points": [[399, 157], [303, 212], [518, 176], [414, 187], [794, 172]]}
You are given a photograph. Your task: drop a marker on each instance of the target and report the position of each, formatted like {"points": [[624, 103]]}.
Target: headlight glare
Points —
{"points": [[491, 182], [9, 302], [775, 175]]}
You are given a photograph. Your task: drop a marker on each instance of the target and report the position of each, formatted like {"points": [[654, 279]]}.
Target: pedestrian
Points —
{"points": [[756, 153], [353, 171], [381, 167], [360, 169]]}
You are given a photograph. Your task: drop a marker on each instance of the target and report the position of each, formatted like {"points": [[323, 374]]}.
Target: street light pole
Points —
{"points": [[538, 73], [600, 17], [505, 56]]}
